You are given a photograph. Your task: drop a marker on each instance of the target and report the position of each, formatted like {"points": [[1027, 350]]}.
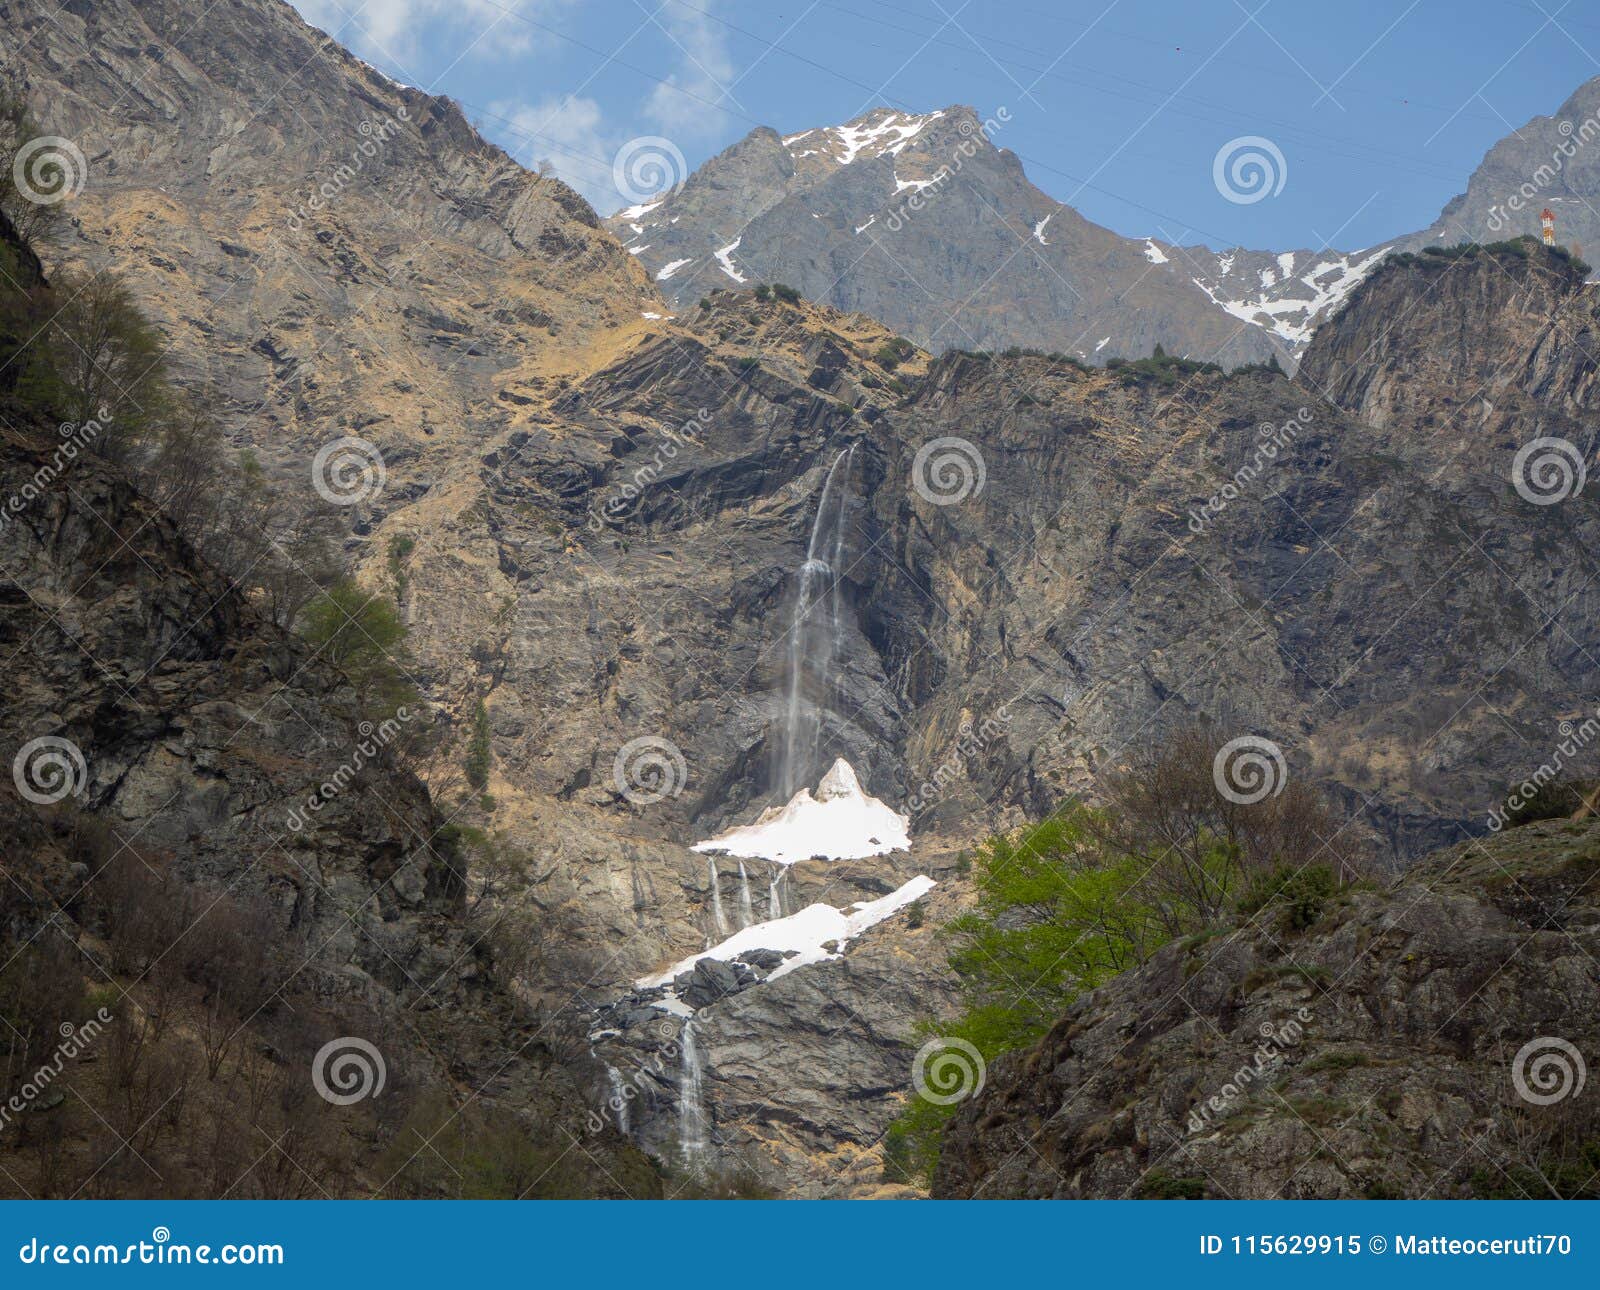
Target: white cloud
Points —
{"points": [[700, 91], [571, 133], [389, 31]]}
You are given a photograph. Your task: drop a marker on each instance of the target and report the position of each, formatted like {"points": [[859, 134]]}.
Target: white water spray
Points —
{"points": [[693, 1129], [747, 914], [717, 915], [775, 893], [815, 640]]}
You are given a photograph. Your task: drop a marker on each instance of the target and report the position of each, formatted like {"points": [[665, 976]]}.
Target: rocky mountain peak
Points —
{"points": [[880, 132]]}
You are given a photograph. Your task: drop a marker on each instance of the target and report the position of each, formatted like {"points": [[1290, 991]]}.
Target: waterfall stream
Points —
{"points": [[693, 1135], [619, 1096], [815, 640], [717, 914], [747, 914], [775, 893]]}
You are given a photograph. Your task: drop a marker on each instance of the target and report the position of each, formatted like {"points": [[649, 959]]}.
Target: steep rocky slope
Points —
{"points": [[930, 224], [1549, 162], [151, 708], [1379, 1052], [608, 514], [329, 252]]}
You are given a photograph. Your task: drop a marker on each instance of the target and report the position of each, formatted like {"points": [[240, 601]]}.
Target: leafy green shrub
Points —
{"points": [[892, 353], [1302, 892], [480, 753], [1158, 1184], [362, 634], [784, 292]]}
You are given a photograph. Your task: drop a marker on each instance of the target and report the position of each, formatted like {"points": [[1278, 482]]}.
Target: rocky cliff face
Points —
{"points": [[148, 701], [1550, 162], [330, 252], [930, 225], [1417, 1040], [1045, 564]]}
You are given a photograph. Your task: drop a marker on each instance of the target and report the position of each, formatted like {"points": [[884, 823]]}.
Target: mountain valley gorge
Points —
{"points": [[677, 552]]}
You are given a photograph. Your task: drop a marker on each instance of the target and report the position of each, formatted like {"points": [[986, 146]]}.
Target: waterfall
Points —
{"points": [[718, 917], [619, 1099], [747, 915], [775, 893], [693, 1137], [813, 645]]}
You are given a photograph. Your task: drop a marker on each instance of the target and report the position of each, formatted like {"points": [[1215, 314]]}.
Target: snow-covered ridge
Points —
{"points": [[867, 136], [840, 823], [802, 936], [1291, 300]]}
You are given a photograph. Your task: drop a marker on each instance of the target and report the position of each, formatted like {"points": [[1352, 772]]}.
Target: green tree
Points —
{"points": [[105, 363], [480, 754], [362, 634]]}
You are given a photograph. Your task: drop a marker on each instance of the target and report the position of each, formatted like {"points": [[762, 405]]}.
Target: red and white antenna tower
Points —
{"points": [[1547, 223]]}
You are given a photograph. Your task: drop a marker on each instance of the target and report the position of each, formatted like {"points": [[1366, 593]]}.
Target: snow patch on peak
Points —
{"points": [[1038, 229], [631, 213], [869, 136], [1154, 253], [840, 823], [1290, 306], [725, 259], [668, 270]]}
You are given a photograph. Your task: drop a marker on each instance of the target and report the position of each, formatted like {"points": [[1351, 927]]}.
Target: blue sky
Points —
{"points": [[1380, 110]]}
